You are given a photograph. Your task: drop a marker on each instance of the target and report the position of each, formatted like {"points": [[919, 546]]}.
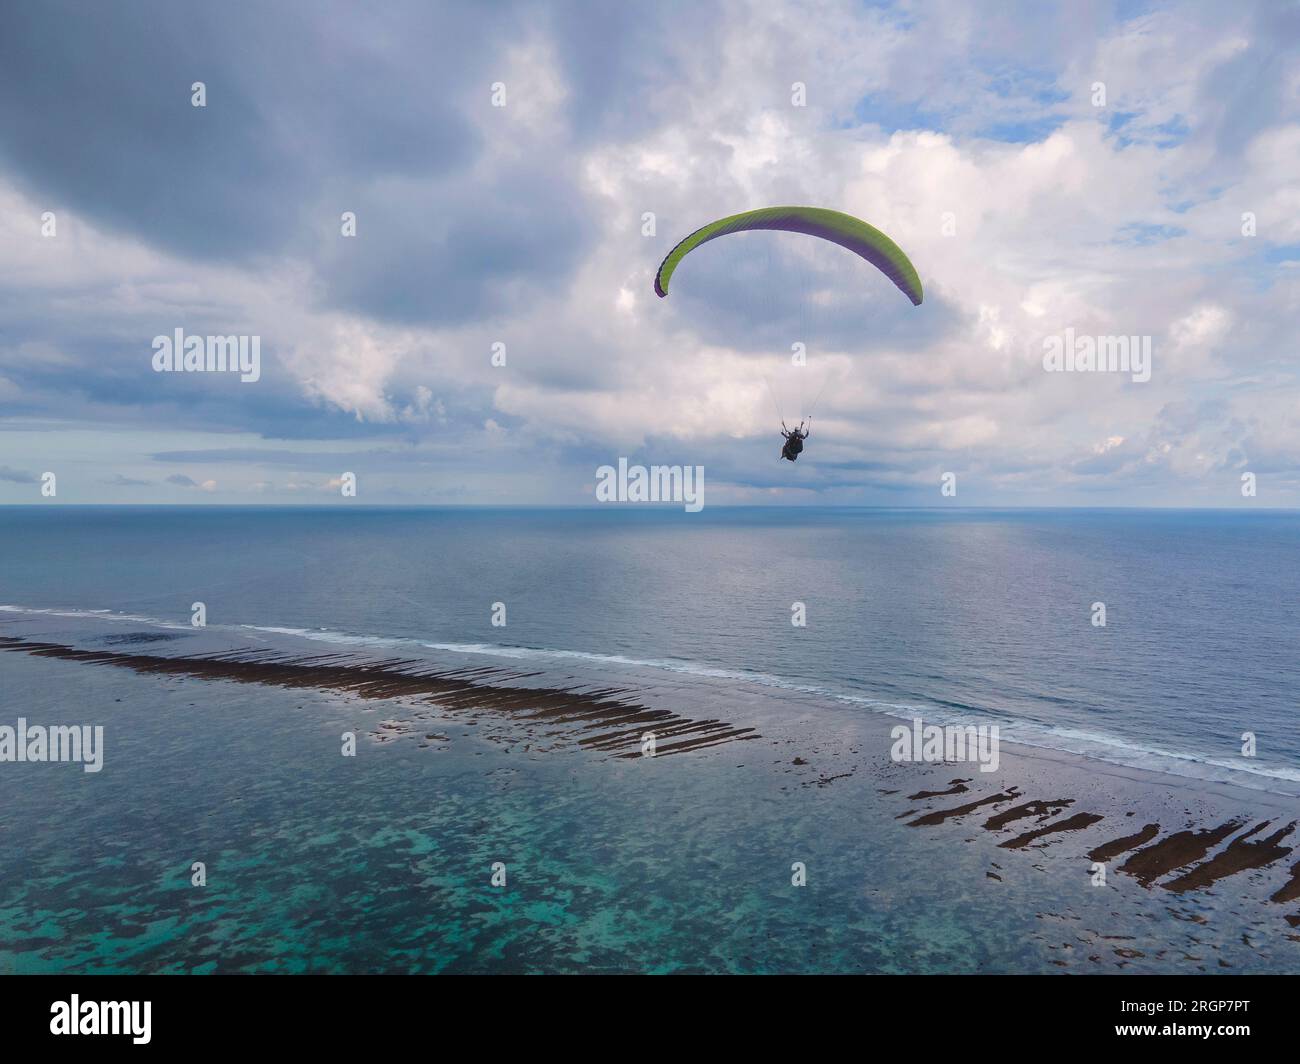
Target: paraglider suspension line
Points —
{"points": [[774, 402]]}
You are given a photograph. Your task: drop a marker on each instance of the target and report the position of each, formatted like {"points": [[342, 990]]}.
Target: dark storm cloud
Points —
{"points": [[456, 252], [757, 293], [95, 110], [387, 459], [101, 378], [312, 109], [1255, 89], [625, 75], [258, 456], [17, 476], [317, 108]]}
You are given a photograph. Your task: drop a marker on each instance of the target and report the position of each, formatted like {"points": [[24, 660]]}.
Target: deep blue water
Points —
{"points": [[965, 614]]}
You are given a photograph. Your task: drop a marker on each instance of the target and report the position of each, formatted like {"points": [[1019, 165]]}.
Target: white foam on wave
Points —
{"points": [[1104, 747], [97, 615], [1098, 745], [1025, 733], [678, 665], [1124, 751]]}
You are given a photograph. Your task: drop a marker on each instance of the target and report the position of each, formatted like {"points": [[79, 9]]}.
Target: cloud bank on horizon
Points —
{"points": [[1093, 169]]}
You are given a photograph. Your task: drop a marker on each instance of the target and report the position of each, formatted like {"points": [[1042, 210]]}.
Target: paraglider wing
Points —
{"points": [[843, 229]]}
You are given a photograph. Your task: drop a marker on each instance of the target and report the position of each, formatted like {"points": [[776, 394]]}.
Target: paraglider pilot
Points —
{"points": [[794, 440]]}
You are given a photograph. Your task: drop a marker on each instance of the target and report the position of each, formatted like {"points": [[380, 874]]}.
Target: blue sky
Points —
{"points": [[971, 134]]}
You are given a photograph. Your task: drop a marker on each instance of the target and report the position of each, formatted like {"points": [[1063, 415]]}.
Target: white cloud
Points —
{"points": [[1123, 220]]}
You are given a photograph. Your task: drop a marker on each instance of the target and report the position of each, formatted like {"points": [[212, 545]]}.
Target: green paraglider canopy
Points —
{"points": [[843, 229]]}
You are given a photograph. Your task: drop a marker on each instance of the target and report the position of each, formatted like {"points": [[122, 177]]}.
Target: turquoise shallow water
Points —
{"points": [[382, 863]]}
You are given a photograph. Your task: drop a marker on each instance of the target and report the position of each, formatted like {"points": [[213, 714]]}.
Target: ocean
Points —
{"points": [[384, 861]]}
